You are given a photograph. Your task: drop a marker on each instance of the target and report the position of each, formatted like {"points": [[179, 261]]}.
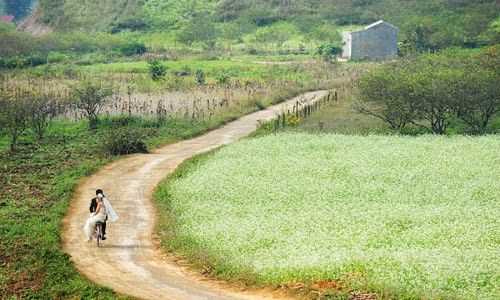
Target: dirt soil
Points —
{"points": [[130, 260]]}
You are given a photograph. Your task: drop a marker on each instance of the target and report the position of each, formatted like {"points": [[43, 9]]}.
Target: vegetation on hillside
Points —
{"points": [[423, 24]]}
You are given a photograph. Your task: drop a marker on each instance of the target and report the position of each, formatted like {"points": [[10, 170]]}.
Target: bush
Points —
{"points": [[200, 77], [156, 69], [54, 57], [37, 59], [122, 141], [329, 49], [133, 48]]}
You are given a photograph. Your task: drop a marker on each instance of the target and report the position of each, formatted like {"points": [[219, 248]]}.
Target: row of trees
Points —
{"points": [[23, 108], [434, 91]]}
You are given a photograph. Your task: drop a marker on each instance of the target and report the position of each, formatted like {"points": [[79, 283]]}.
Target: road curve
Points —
{"points": [[129, 261]]}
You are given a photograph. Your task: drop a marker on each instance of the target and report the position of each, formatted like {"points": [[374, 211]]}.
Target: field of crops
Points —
{"points": [[404, 217]]}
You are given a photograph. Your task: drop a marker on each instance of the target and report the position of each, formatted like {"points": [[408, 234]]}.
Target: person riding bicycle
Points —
{"points": [[99, 215], [93, 207]]}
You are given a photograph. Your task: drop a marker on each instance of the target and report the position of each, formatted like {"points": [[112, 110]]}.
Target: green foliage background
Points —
{"points": [[423, 24]]}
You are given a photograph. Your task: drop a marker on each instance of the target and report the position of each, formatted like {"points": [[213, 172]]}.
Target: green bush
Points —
{"points": [[133, 48], [55, 56], [156, 69], [122, 141], [37, 59], [200, 77]]}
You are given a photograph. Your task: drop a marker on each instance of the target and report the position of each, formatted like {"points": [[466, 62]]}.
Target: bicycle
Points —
{"points": [[98, 231]]}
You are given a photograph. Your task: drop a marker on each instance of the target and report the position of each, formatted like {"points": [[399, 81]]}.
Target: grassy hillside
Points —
{"points": [[423, 24]]}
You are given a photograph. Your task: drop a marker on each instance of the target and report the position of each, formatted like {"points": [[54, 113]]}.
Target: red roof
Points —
{"points": [[6, 19]]}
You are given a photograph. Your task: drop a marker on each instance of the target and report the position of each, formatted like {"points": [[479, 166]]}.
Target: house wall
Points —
{"points": [[374, 43], [346, 44]]}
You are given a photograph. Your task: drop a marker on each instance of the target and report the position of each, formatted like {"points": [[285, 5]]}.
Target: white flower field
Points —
{"points": [[417, 217]]}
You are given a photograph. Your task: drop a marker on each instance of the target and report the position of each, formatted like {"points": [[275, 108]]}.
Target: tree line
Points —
{"points": [[31, 108], [435, 92]]}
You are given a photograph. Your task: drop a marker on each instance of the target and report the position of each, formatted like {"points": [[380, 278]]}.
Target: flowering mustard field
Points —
{"points": [[415, 217]]}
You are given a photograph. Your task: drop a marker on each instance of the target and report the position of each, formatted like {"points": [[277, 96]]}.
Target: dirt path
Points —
{"points": [[129, 261]]}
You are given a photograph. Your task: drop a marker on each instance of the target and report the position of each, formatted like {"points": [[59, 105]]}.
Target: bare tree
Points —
{"points": [[90, 95], [41, 110], [13, 114]]}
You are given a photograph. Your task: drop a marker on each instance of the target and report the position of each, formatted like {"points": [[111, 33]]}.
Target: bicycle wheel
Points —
{"points": [[98, 230]]}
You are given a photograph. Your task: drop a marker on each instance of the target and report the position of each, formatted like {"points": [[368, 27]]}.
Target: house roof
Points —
{"points": [[378, 23], [6, 19], [371, 26]]}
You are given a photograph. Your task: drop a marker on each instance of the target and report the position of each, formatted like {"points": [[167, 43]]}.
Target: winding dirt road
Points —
{"points": [[130, 262]]}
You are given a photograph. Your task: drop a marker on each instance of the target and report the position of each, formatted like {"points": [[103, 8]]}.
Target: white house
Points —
{"points": [[378, 41]]}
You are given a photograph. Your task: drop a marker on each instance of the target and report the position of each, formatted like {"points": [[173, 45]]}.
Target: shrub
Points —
{"points": [[55, 56], [200, 77], [223, 79], [37, 59], [133, 48], [156, 69], [122, 141], [328, 50]]}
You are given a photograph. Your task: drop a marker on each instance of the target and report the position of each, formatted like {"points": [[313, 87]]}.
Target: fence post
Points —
{"points": [[320, 126]]}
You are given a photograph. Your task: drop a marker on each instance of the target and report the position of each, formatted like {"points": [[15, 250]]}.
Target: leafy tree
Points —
{"points": [[431, 90], [384, 95], [434, 95], [90, 95], [18, 8], [481, 98]]}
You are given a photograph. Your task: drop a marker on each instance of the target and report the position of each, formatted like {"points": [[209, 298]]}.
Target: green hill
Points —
{"points": [[426, 24]]}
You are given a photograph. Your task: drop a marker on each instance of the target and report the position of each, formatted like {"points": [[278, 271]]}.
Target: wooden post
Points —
{"points": [[320, 126]]}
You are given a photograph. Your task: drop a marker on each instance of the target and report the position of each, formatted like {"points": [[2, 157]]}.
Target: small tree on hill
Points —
{"points": [[41, 110], [90, 95], [13, 115]]}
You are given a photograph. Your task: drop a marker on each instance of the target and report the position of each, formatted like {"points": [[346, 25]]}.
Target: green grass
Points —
{"points": [[214, 68], [37, 182], [403, 217]]}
